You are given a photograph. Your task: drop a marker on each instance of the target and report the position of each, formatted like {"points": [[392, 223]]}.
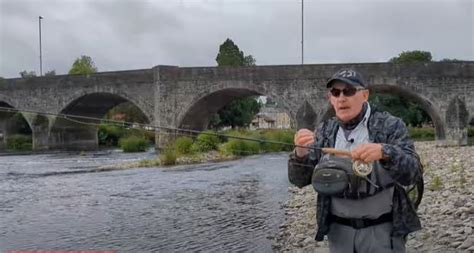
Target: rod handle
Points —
{"points": [[338, 152]]}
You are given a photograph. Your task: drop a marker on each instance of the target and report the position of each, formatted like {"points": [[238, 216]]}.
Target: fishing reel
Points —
{"points": [[362, 169]]}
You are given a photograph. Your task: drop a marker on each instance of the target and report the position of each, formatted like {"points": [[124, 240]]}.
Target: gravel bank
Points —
{"points": [[446, 211]]}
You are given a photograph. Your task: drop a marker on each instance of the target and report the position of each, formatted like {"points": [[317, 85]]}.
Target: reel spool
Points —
{"points": [[362, 169]]}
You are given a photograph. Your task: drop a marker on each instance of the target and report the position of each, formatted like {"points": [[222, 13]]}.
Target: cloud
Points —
{"points": [[132, 34]]}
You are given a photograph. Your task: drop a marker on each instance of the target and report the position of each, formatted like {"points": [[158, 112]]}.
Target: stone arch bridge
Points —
{"points": [[186, 97]]}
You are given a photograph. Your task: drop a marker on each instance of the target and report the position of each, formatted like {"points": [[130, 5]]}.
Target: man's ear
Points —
{"points": [[366, 95]]}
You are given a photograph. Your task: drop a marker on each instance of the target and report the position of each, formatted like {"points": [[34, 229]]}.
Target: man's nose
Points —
{"points": [[341, 97]]}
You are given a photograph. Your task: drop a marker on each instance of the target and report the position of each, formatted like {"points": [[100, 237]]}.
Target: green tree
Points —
{"points": [[83, 66], [50, 73], [230, 55], [240, 112], [412, 56], [249, 60], [26, 74]]}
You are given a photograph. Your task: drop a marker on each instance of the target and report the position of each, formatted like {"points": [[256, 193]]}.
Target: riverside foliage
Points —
{"points": [[194, 149]]}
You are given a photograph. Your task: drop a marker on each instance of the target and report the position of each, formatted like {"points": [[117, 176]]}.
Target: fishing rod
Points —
{"points": [[146, 127]]}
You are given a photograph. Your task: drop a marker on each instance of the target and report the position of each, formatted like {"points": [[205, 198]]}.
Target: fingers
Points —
{"points": [[365, 157], [303, 136], [367, 152], [357, 152], [304, 140], [305, 130]]}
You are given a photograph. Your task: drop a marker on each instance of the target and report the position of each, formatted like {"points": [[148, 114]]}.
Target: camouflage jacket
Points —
{"points": [[403, 166]]}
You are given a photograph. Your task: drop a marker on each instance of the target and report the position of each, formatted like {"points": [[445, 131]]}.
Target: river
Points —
{"points": [[57, 201]]}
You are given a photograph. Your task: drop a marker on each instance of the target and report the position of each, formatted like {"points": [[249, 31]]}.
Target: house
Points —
{"points": [[271, 116]]}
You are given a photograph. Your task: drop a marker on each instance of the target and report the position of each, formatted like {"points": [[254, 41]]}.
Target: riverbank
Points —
{"points": [[446, 211], [207, 157]]}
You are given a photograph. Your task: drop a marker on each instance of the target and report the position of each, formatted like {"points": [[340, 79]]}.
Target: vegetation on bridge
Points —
{"points": [[83, 65]]}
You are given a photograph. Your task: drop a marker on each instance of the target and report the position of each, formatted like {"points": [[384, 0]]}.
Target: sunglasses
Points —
{"points": [[348, 92]]}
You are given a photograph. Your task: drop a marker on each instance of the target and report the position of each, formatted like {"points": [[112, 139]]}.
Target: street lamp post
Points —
{"points": [[41, 56], [302, 32]]}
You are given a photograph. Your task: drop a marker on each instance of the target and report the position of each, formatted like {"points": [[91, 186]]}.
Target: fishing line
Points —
{"points": [[146, 127], [184, 132]]}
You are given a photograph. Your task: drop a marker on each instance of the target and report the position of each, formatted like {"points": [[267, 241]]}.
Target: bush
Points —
{"points": [[206, 142], [148, 135], [19, 142], [422, 133], [133, 144], [240, 147], [470, 132], [285, 136], [109, 135], [183, 145], [168, 156]]}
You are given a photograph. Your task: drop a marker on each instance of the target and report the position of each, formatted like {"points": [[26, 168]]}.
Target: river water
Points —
{"points": [[57, 201]]}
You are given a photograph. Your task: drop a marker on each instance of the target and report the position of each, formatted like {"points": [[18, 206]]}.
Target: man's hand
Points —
{"points": [[368, 152], [303, 137]]}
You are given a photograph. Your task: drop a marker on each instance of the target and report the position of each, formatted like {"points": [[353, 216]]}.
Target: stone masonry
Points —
{"points": [[186, 97]]}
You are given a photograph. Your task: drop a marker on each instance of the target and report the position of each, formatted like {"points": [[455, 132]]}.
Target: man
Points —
{"points": [[380, 215]]}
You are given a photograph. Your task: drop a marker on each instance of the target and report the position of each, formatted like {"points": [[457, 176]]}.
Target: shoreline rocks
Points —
{"points": [[446, 211]]}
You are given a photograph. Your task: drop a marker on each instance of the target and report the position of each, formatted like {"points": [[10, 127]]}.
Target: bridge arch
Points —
{"points": [[12, 123], [71, 134], [102, 100], [197, 114], [429, 105], [7, 102]]}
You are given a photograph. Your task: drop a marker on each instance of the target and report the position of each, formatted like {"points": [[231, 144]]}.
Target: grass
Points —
{"points": [[168, 155], [206, 142], [134, 144], [19, 142], [184, 145], [436, 184], [422, 134], [149, 163]]}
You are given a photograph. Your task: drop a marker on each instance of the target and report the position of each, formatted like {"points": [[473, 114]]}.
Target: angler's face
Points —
{"points": [[346, 106]]}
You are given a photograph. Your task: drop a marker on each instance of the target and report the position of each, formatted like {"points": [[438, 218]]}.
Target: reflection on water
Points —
{"points": [[58, 202]]}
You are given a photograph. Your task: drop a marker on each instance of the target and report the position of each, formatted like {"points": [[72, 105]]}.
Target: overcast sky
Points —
{"points": [[135, 34]]}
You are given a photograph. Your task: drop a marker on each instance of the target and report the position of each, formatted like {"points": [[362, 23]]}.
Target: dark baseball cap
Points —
{"points": [[347, 76]]}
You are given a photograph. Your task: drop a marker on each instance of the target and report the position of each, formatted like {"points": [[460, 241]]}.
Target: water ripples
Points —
{"points": [[232, 206]]}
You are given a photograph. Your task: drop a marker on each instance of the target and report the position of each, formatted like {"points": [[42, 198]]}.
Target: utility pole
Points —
{"points": [[41, 56], [302, 32]]}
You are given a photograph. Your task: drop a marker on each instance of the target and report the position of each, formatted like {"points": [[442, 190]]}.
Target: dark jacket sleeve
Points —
{"points": [[300, 170], [403, 163]]}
